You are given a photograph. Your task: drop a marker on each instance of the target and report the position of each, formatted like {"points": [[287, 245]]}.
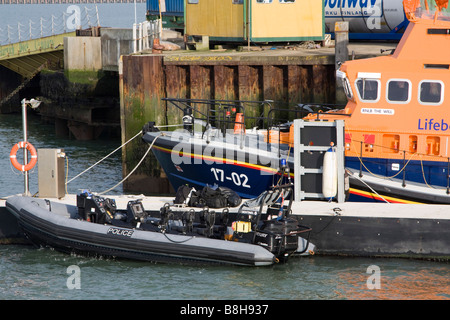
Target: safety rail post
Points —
{"points": [[448, 175], [33, 104], [144, 34], [404, 169], [29, 27], [360, 160], [9, 34], [25, 151], [53, 25]]}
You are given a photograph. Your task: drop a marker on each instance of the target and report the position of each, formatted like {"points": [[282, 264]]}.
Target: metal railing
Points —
{"points": [[55, 24], [221, 113], [405, 156], [144, 33]]}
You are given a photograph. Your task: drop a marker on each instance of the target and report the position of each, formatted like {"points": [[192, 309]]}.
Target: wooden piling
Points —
{"points": [[341, 55]]}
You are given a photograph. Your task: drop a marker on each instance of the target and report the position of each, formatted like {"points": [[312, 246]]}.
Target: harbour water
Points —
{"points": [[27, 272], [100, 178]]}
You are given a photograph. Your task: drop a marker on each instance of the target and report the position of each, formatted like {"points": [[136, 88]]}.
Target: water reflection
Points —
{"points": [[26, 273], [399, 280]]}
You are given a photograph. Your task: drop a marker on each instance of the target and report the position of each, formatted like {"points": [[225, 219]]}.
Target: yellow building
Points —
{"points": [[255, 20]]}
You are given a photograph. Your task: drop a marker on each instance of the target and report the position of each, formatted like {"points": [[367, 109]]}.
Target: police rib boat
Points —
{"points": [[95, 227]]}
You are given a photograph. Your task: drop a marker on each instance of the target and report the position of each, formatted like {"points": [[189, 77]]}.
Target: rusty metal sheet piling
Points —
{"points": [[145, 79]]}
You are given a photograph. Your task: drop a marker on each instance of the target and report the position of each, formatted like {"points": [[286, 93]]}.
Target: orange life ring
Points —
{"points": [[30, 148]]}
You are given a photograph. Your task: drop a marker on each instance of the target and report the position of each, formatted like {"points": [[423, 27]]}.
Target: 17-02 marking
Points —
{"points": [[238, 179]]}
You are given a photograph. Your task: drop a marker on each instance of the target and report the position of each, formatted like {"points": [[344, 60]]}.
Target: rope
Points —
{"points": [[425, 179], [371, 189], [139, 163], [170, 125], [174, 241], [104, 158], [374, 174]]}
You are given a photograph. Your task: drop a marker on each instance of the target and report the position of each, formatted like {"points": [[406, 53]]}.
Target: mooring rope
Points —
{"points": [[131, 172], [355, 176], [140, 132]]}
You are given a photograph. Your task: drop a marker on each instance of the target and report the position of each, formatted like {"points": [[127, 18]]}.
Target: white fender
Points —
{"points": [[329, 175]]}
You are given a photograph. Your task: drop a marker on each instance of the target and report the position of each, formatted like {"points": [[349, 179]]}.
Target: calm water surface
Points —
{"points": [[30, 273], [80, 156]]}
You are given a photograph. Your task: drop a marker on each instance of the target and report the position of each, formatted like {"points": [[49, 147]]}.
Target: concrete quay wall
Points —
{"points": [[83, 98]]}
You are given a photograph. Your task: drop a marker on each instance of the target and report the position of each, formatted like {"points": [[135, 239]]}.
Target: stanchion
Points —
{"points": [[33, 104]]}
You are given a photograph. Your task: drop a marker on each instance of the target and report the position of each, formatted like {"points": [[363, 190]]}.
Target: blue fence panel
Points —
{"points": [[173, 7]]}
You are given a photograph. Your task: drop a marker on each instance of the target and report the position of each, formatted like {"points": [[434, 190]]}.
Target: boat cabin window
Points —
{"points": [[398, 91], [287, 1], [368, 89], [263, 1], [436, 66], [237, 1], [193, 1], [431, 92]]}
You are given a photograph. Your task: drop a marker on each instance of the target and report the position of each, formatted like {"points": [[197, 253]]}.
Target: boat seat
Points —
{"points": [[267, 198]]}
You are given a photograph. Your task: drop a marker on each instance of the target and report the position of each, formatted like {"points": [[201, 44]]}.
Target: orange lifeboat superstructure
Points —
{"points": [[397, 119]]}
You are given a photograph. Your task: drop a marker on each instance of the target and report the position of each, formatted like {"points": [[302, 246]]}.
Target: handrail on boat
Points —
{"points": [[322, 109], [219, 111], [406, 161]]}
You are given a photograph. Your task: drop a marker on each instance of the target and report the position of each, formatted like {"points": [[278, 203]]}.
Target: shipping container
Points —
{"points": [[172, 13], [255, 20]]}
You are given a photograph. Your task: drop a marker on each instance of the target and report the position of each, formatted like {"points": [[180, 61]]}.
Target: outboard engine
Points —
{"points": [[280, 236]]}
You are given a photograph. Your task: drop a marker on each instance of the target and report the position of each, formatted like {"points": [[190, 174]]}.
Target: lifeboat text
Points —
{"points": [[432, 124]]}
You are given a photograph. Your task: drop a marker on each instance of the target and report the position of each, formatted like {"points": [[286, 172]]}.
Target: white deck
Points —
{"points": [[388, 184], [367, 209], [311, 208]]}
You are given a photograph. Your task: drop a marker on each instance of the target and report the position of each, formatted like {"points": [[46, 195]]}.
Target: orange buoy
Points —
{"points": [[239, 126], [13, 158]]}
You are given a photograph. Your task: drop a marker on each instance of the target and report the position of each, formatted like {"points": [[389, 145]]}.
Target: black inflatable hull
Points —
{"points": [[56, 226]]}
